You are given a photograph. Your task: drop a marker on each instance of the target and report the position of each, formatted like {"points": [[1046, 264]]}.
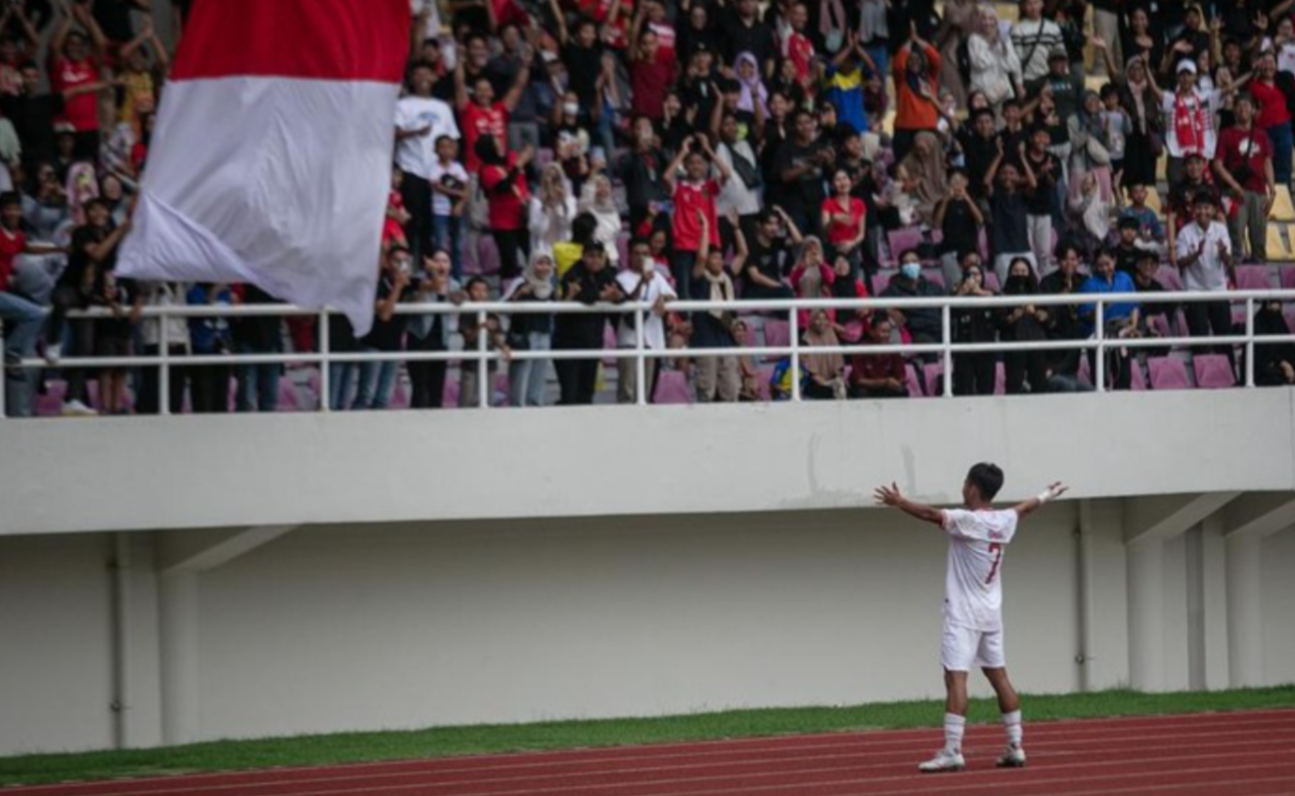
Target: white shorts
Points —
{"points": [[960, 647]]}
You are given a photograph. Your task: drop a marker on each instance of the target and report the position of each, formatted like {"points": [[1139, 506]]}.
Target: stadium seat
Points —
{"points": [[935, 276], [762, 382], [1000, 379], [1254, 277], [399, 394], [1153, 201], [672, 388], [934, 375], [1286, 278], [881, 281], [902, 240], [776, 333], [914, 386], [501, 387], [1283, 209], [991, 281], [1168, 373], [1160, 322], [1213, 371], [1170, 278], [487, 255], [450, 394], [288, 400], [1137, 378], [1277, 244]]}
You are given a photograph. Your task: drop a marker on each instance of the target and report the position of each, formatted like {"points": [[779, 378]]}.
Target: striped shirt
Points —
{"points": [[1033, 40]]}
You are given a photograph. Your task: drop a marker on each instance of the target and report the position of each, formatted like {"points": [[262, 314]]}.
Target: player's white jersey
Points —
{"points": [[973, 585]]}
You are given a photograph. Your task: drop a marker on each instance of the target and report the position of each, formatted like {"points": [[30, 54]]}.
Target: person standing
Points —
{"points": [[973, 617]]}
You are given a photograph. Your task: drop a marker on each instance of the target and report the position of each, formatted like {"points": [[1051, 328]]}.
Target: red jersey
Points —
{"points": [[800, 51], [1271, 103], [478, 121], [838, 231], [11, 245], [81, 111], [650, 81], [507, 209], [684, 227]]}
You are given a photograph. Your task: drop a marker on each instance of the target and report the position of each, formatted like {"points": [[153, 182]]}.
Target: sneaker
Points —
{"points": [[1014, 757], [77, 409], [944, 760], [52, 353]]}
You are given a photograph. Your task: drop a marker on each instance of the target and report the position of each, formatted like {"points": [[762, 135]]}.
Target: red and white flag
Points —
{"points": [[271, 157]]}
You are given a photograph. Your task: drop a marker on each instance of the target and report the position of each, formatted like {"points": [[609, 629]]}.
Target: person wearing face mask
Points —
{"points": [[973, 371], [1023, 324], [923, 325]]}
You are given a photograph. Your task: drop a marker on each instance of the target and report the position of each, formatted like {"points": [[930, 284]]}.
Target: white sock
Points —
{"points": [[1012, 724], [953, 726]]}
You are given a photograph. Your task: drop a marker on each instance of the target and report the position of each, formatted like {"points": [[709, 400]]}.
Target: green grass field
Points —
{"points": [[317, 750]]}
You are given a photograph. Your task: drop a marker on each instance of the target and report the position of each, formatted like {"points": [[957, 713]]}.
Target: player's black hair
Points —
{"points": [[986, 478]]}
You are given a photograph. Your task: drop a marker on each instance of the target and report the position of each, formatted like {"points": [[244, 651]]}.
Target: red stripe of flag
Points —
{"points": [[344, 40]]}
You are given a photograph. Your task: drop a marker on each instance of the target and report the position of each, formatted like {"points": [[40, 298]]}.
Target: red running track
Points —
{"points": [[1250, 753]]}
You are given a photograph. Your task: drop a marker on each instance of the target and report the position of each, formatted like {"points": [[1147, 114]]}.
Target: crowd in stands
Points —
{"points": [[605, 151]]}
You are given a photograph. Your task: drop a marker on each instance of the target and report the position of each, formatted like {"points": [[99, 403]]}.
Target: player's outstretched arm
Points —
{"points": [[890, 496], [1054, 491]]}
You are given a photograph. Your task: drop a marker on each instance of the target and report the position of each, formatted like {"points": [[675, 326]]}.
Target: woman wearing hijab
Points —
{"points": [[552, 209], [504, 182], [597, 201], [753, 97], [1141, 144], [527, 378], [1090, 145], [995, 66], [824, 371], [1274, 362], [812, 277], [926, 168], [1021, 324]]}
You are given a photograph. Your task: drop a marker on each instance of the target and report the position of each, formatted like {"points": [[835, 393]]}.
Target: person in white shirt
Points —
{"points": [[1203, 252], [1034, 37], [421, 120], [1190, 113], [641, 282], [973, 599]]}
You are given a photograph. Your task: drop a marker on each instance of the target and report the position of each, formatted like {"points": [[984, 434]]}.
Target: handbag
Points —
{"points": [[746, 170]]}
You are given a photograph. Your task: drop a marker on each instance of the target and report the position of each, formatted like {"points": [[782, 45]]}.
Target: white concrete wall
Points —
{"points": [[1279, 607], [183, 472]]}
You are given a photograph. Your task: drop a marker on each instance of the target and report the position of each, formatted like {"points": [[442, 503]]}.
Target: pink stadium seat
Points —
{"points": [[902, 240], [881, 281], [914, 386], [1000, 379], [982, 244], [672, 388], [399, 395], [1161, 323], [1168, 373], [1213, 372], [1254, 277], [991, 281], [487, 255], [1170, 278], [1286, 277], [934, 275], [288, 401], [623, 248], [776, 333], [1084, 374], [501, 385], [934, 372], [762, 383], [51, 403], [450, 395]]}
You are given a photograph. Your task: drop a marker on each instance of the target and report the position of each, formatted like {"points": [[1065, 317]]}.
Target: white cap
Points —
{"points": [[1186, 66]]}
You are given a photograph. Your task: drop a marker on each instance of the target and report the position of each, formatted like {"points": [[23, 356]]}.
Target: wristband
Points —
{"points": [[1044, 496]]}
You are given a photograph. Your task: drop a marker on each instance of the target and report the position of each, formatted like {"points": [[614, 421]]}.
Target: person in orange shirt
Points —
{"points": [[917, 70]]}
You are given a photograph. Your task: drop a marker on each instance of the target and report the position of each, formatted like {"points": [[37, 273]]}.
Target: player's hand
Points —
{"points": [[1056, 489], [888, 495]]}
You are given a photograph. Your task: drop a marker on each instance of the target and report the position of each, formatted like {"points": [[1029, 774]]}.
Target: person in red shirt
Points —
{"points": [[1243, 162], [693, 195], [1273, 115], [74, 72], [797, 48], [504, 182], [878, 375], [845, 220], [480, 115], [652, 72]]}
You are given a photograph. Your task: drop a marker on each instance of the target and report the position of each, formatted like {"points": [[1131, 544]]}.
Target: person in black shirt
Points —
{"points": [[1042, 193], [113, 17], [377, 379], [589, 281], [978, 141], [583, 56], [258, 385], [1063, 321], [1144, 279], [696, 33], [960, 220], [801, 165], [33, 114], [1126, 250], [769, 258], [640, 171]]}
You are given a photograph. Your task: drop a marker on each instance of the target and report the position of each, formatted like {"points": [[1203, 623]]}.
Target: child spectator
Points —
{"points": [[449, 182]]}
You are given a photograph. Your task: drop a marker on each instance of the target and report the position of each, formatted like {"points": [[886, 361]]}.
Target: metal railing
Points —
{"points": [[483, 355]]}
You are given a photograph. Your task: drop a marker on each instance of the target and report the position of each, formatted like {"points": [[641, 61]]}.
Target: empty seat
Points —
{"points": [[1213, 371], [288, 400], [776, 334], [934, 375], [672, 388], [991, 281], [1286, 277], [1168, 373], [881, 281], [934, 276], [1254, 277], [1277, 244], [1283, 209], [901, 240], [914, 386], [1170, 278]]}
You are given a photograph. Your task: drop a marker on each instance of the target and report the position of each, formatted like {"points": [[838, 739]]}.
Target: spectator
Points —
{"points": [[421, 121], [1009, 213], [449, 183], [148, 390], [552, 210], [1090, 214], [589, 281], [1138, 99], [1120, 319], [801, 164], [112, 338], [431, 332], [1144, 280], [878, 375], [209, 336], [1243, 163], [922, 324], [1127, 248], [960, 221], [845, 221], [824, 376], [74, 65], [504, 184], [377, 379], [1063, 321], [769, 257], [717, 375], [973, 371], [740, 30], [917, 69], [1043, 172], [694, 203], [1203, 251], [479, 336], [1182, 196], [741, 193], [258, 385], [1034, 38], [812, 277], [1189, 112], [980, 145], [995, 67], [597, 202], [1274, 362], [925, 165], [482, 116], [641, 171], [651, 71], [1023, 324], [22, 317], [641, 283], [1150, 230]]}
